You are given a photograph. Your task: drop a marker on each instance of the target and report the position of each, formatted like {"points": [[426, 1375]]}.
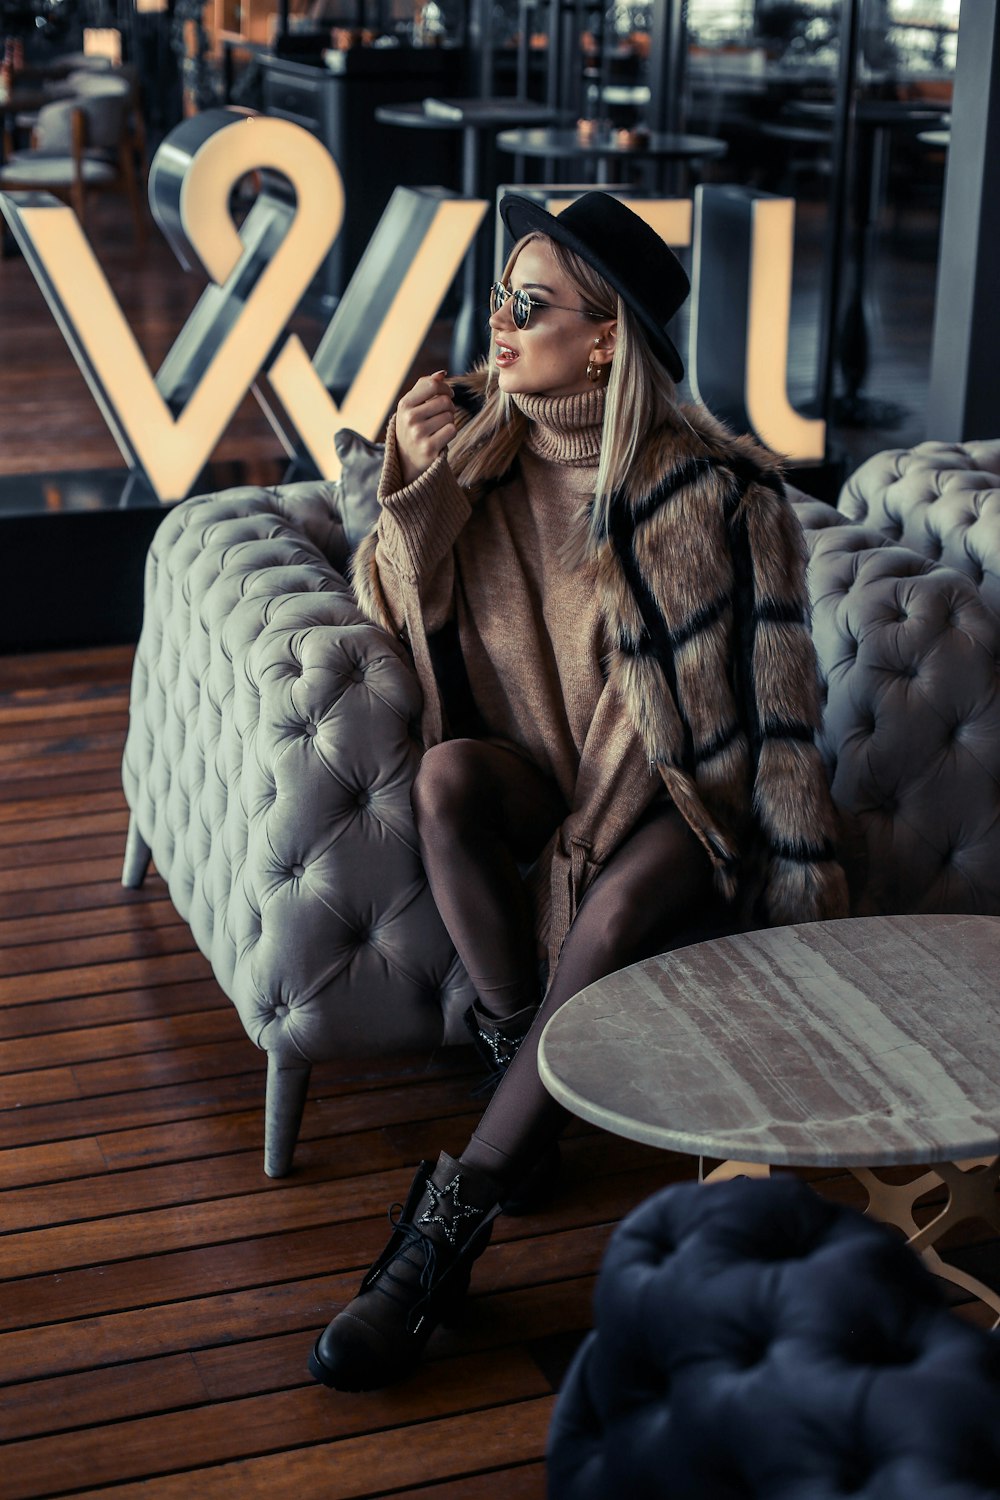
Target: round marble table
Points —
{"points": [[869, 1042]]}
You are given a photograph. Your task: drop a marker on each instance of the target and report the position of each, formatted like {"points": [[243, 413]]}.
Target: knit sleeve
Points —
{"points": [[419, 521], [403, 572]]}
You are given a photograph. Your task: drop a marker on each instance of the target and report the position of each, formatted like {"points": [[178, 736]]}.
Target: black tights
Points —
{"points": [[480, 811]]}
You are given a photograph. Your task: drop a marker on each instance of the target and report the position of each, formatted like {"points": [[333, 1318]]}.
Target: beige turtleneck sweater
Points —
{"points": [[529, 625]]}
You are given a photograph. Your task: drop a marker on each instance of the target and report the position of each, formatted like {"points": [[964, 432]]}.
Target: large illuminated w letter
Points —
{"points": [[169, 426]]}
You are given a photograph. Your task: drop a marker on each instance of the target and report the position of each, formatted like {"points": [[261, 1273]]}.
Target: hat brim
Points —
{"points": [[524, 216]]}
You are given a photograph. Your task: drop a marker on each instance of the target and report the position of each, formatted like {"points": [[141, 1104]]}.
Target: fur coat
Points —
{"points": [[701, 582]]}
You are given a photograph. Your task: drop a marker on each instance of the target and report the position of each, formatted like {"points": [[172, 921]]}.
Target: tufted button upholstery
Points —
{"points": [[942, 500], [268, 767], [911, 727], [272, 743], [754, 1341]]}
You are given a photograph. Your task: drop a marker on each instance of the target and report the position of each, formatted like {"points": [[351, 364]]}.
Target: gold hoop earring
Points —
{"points": [[594, 371]]}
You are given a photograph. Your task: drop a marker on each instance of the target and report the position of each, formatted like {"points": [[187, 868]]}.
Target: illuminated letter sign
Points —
{"points": [[741, 314], [380, 325], [172, 450], [169, 426], [670, 217]]}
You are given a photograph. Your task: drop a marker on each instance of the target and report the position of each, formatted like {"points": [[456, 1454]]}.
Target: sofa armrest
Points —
{"points": [[813, 514], [215, 569], [327, 893], [310, 511], [271, 746], [315, 507]]}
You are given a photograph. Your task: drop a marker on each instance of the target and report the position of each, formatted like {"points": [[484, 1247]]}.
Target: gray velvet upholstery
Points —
{"points": [[911, 729], [940, 499], [755, 1341], [272, 744], [269, 758]]}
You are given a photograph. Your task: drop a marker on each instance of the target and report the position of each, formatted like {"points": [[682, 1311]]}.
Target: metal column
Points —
{"points": [[962, 400]]}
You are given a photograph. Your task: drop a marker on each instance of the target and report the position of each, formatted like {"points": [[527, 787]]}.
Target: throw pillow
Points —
{"points": [[361, 462]]}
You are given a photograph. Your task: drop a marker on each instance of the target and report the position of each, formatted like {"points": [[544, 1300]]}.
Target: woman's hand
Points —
{"points": [[425, 424]]}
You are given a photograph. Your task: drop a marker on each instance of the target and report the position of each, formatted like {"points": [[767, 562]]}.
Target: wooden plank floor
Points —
{"points": [[159, 1294]]}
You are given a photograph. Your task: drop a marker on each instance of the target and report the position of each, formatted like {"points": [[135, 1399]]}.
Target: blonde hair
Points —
{"points": [[640, 397]]}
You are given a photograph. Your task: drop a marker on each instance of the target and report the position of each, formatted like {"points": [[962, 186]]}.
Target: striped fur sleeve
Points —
{"points": [[777, 679]]}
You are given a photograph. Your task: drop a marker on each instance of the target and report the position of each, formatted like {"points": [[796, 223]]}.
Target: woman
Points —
{"points": [[604, 597]]}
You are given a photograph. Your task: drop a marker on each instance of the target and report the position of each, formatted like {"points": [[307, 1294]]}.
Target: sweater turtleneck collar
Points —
{"points": [[564, 429]]}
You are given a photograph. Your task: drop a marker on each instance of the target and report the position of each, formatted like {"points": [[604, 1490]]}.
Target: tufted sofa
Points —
{"points": [[271, 746], [754, 1341], [272, 743]]}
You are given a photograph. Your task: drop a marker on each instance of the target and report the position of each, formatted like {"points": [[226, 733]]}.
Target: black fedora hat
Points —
{"points": [[643, 270]]}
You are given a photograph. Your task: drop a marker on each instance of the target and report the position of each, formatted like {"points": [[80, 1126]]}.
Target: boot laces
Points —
{"points": [[413, 1239], [386, 1280], [502, 1044]]}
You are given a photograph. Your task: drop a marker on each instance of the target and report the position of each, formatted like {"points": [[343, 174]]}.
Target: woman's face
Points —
{"points": [[549, 357]]}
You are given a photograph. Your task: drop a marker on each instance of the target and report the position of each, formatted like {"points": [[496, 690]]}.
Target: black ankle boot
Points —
{"points": [[421, 1275], [497, 1041]]}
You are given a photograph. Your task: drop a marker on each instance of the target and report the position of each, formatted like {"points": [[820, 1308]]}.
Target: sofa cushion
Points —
{"points": [[754, 1341]]}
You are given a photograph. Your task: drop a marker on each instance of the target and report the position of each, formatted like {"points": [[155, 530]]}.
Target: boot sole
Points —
{"points": [[325, 1376]]}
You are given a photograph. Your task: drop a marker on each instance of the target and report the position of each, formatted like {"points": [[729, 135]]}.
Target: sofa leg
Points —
{"points": [[287, 1087], [137, 857]]}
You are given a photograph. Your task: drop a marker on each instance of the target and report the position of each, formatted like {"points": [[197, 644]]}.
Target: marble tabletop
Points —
{"points": [[869, 1041]]}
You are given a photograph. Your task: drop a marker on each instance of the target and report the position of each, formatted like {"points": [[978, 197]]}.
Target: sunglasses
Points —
{"points": [[521, 305]]}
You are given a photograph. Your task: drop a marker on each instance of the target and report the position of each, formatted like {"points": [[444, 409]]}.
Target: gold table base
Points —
{"points": [[971, 1194]]}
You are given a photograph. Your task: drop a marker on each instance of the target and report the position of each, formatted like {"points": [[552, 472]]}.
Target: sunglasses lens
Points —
{"points": [[520, 303]]}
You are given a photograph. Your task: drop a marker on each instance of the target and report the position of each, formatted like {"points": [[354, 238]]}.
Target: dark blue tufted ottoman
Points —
{"points": [[753, 1339]]}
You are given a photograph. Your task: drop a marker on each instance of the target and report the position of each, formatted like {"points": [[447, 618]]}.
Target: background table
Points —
{"points": [[875, 123], [473, 117], [604, 152], [868, 1042]]}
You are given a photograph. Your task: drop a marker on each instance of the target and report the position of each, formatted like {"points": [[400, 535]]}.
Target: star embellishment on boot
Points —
{"points": [[459, 1210]]}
